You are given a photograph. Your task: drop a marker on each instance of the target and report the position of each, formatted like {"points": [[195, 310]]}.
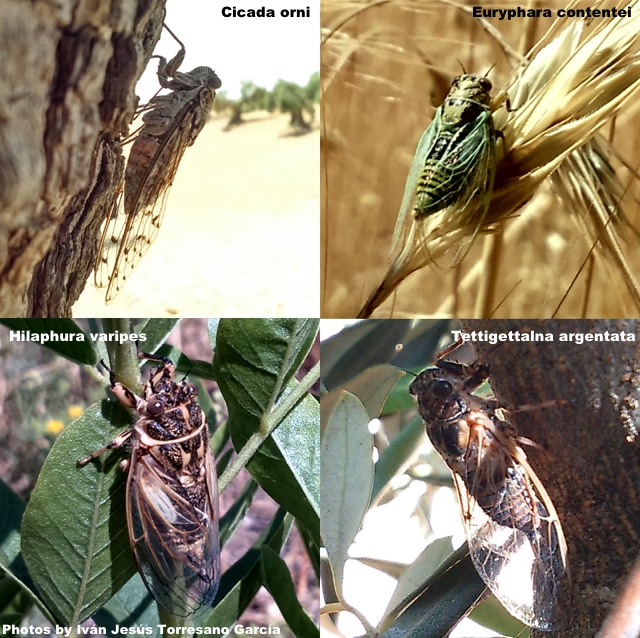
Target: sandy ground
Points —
{"points": [[240, 237]]}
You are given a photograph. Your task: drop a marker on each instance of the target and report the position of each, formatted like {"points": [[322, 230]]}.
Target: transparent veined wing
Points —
{"points": [[174, 535]]}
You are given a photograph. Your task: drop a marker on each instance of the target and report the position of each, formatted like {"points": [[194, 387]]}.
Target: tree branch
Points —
{"points": [[590, 455], [68, 85]]}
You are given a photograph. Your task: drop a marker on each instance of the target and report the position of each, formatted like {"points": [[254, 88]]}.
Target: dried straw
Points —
{"points": [[579, 76]]}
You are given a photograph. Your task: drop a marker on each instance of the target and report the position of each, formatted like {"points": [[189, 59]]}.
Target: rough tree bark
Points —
{"points": [[590, 455], [67, 97]]}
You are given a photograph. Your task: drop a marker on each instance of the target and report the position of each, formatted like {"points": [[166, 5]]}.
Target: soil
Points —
{"points": [[240, 233]]}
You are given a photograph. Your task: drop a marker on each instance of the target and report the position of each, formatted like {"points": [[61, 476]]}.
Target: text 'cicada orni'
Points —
{"points": [[172, 491], [171, 123], [515, 538]]}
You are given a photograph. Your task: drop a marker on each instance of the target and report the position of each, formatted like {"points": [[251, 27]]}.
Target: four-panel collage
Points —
{"points": [[414, 410]]}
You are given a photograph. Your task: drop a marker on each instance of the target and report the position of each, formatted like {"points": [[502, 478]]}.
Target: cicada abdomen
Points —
{"points": [[515, 538], [172, 493], [458, 149], [171, 123]]}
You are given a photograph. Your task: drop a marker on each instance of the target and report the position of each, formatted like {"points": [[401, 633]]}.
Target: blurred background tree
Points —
{"points": [[286, 97]]}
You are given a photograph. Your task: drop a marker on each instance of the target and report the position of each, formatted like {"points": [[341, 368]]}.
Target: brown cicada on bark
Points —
{"points": [[172, 491], [171, 123], [515, 538]]}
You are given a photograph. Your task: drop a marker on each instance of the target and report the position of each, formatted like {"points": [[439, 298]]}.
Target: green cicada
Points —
{"points": [[456, 156]]}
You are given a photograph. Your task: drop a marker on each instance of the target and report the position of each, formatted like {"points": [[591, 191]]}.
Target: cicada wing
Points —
{"points": [[455, 168], [109, 240], [522, 569], [477, 158], [135, 226], [481, 162], [423, 149], [125, 240], [176, 544]]}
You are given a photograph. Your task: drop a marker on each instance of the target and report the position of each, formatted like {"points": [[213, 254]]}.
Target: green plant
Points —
{"points": [[67, 552], [365, 379]]}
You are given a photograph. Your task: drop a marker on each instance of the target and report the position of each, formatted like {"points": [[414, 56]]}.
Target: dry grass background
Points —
{"points": [[240, 234], [386, 65]]}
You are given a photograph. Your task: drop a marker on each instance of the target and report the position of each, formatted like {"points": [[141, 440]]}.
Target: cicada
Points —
{"points": [[456, 156], [514, 534], [171, 123], [172, 491]]}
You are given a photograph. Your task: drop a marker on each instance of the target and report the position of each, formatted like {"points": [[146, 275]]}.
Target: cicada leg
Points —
{"points": [[153, 357], [128, 399], [168, 74], [118, 442], [170, 68]]}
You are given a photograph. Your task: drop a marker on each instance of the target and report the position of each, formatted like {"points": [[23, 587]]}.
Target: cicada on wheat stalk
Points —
{"points": [[172, 491], [458, 149], [171, 123], [450, 182], [454, 167], [514, 533]]}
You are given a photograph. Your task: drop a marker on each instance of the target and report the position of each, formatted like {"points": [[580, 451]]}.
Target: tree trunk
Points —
{"points": [[67, 94], [589, 454]]}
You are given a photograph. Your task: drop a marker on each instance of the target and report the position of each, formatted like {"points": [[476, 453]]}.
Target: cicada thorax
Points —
{"points": [[460, 158], [176, 416]]}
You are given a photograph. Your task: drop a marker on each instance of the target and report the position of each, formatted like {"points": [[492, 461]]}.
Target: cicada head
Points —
{"points": [[438, 400], [470, 95]]}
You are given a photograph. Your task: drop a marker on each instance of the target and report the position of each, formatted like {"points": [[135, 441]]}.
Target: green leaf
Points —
{"points": [[132, 606], [491, 614], [184, 365], [157, 332], [394, 459], [82, 351], [373, 386], [412, 579], [241, 582], [358, 347], [313, 549], [277, 580], [74, 532], [448, 596], [234, 515], [11, 510], [368, 343], [255, 359], [346, 479], [16, 579], [422, 343], [212, 325], [220, 438], [257, 355], [9, 591]]}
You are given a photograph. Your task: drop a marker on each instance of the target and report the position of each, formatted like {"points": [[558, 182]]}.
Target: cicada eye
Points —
{"points": [[485, 84], [441, 388], [193, 390], [155, 406]]}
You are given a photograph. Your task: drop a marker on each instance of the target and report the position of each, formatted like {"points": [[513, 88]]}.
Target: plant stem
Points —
{"points": [[269, 422]]}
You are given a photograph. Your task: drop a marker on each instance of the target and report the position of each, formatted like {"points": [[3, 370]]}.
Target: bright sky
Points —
{"points": [[262, 50]]}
